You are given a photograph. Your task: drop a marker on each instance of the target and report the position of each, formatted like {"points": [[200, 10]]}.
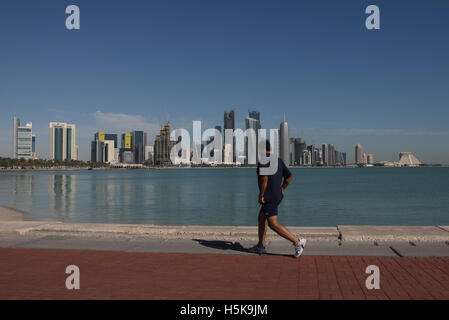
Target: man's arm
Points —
{"points": [[286, 182], [263, 182]]}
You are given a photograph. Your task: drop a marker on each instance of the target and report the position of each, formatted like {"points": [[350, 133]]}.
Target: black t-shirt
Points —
{"points": [[273, 193]]}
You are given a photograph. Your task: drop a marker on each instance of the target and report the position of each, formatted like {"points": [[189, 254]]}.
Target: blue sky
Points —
{"points": [[135, 63]]}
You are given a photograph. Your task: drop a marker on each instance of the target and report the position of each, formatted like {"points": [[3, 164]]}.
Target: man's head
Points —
{"points": [[265, 159], [267, 146]]}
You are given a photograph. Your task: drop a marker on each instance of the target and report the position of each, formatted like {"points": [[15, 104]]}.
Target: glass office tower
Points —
{"points": [[22, 140]]}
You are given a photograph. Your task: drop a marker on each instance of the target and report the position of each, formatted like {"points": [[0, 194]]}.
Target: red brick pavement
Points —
{"points": [[40, 274]]}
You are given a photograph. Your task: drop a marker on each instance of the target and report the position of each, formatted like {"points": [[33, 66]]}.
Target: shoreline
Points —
{"points": [[7, 170], [12, 222], [10, 214]]}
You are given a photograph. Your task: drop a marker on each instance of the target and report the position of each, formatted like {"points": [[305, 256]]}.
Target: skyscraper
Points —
{"points": [[163, 145], [229, 123], [337, 157], [104, 148], [252, 122], [63, 141], [22, 140], [330, 155], [127, 142], [149, 152], [106, 136], [311, 149], [97, 151], [323, 154], [211, 139], [284, 141], [139, 144], [343, 158], [300, 146], [229, 119], [292, 151], [358, 154], [126, 148]]}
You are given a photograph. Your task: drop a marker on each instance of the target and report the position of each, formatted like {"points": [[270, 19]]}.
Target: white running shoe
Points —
{"points": [[299, 247], [258, 249]]}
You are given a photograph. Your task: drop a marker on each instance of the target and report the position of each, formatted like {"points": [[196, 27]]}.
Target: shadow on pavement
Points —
{"points": [[229, 245]]}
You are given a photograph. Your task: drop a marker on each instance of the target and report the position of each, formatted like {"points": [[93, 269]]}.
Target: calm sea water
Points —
{"points": [[316, 196]]}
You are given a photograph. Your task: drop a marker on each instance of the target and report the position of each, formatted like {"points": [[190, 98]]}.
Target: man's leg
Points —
{"points": [[262, 228], [281, 230]]}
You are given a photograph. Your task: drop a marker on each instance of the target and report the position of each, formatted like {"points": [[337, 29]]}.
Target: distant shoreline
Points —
{"points": [[205, 167]]}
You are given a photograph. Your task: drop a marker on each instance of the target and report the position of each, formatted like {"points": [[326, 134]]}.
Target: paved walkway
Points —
{"points": [[40, 274]]}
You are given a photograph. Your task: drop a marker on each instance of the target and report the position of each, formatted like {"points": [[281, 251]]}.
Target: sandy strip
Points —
{"points": [[9, 214]]}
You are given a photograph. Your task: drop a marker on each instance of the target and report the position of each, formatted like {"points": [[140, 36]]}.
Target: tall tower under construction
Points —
{"points": [[163, 145]]}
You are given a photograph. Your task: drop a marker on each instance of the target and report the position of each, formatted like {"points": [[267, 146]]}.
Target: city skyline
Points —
{"points": [[105, 148], [336, 82]]}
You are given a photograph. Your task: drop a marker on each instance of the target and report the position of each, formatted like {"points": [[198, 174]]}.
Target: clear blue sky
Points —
{"points": [[135, 63]]}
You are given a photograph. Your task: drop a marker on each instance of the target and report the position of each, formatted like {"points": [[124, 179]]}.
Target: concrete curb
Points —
{"points": [[164, 232], [394, 234], [340, 233]]}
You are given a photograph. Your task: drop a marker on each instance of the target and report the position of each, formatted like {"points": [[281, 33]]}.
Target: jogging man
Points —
{"points": [[270, 196]]}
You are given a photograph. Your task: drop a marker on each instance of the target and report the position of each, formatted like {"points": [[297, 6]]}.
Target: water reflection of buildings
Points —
{"points": [[62, 193], [22, 191], [106, 196]]}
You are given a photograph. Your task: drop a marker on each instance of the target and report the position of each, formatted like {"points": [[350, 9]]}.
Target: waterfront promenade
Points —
{"points": [[200, 262]]}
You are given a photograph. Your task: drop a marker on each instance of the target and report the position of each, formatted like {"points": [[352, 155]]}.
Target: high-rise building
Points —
{"points": [[364, 158], [311, 149], [106, 136], [229, 123], [139, 139], [22, 140], [127, 141], [300, 146], [163, 145], [323, 154], [307, 157], [210, 140], [63, 141], [97, 151], [292, 151], [319, 156], [370, 159], [330, 155], [337, 158], [229, 119], [149, 153], [284, 142], [104, 148], [126, 154], [343, 158], [358, 154], [252, 122]]}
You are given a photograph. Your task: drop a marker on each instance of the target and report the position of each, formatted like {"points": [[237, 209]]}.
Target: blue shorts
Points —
{"points": [[270, 208]]}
